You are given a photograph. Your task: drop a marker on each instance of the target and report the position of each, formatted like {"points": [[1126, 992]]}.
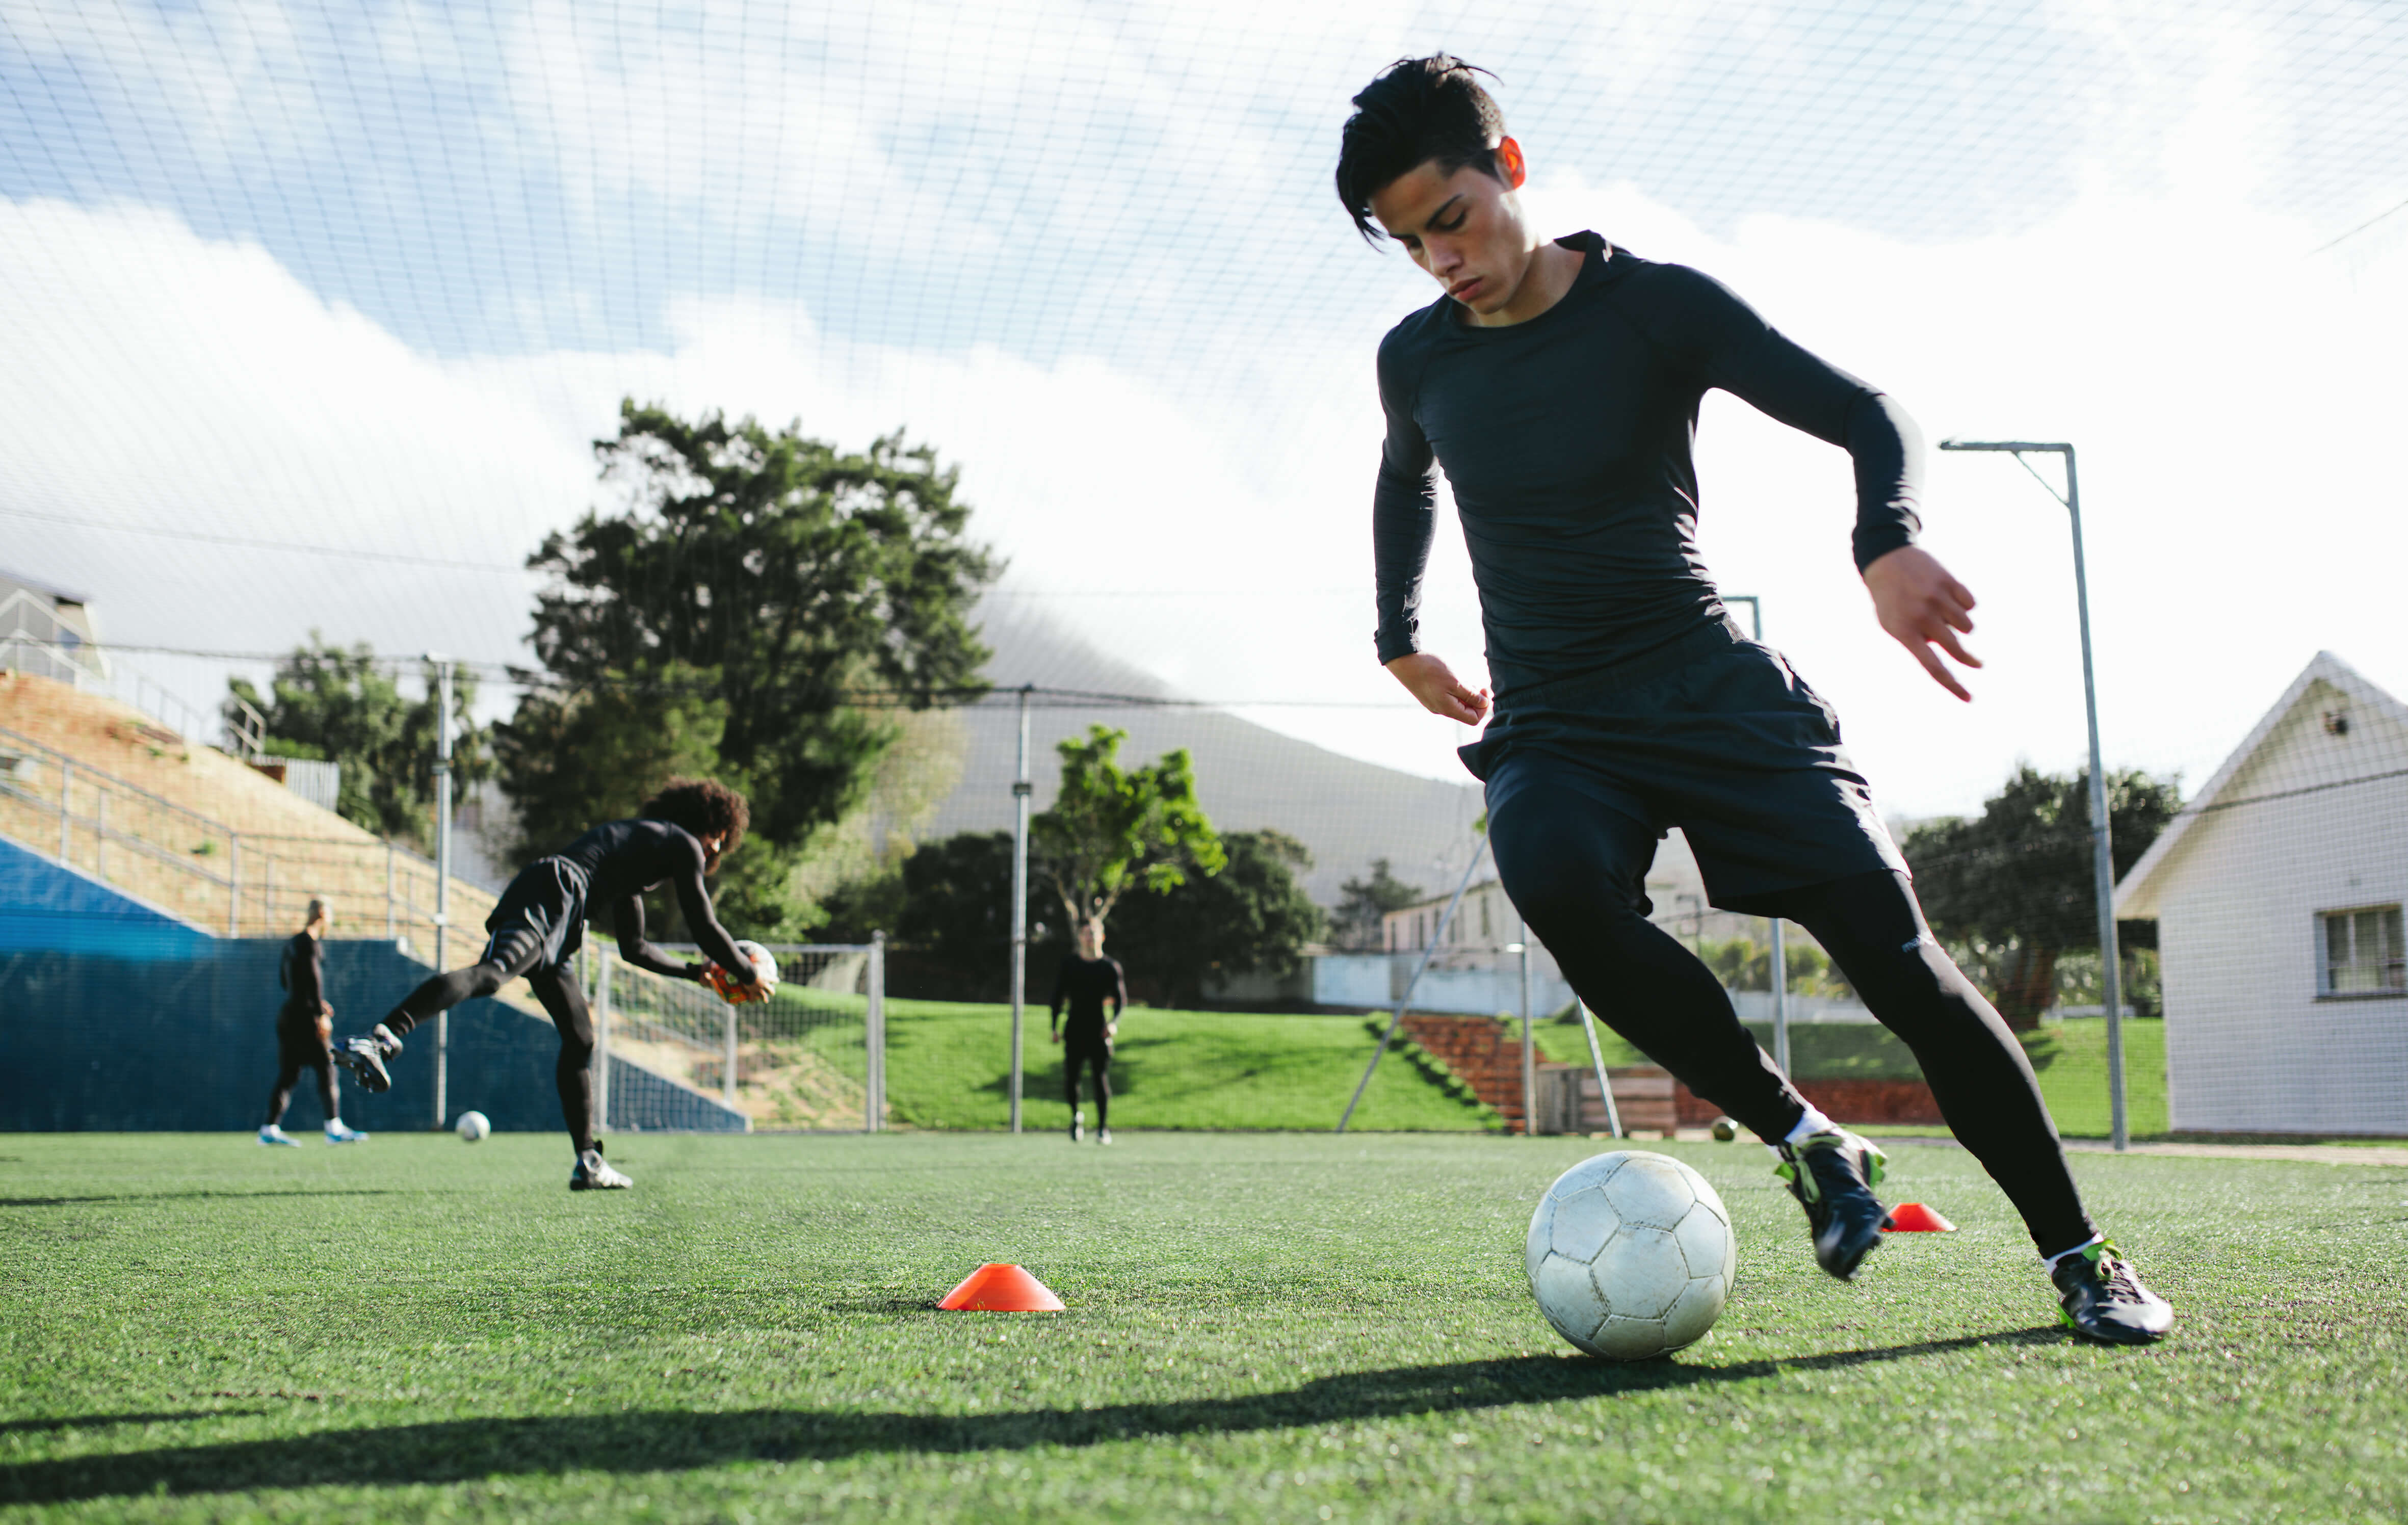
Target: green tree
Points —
{"points": [[955, 898], [2012, 890], [1251, 916], [780, 576], [1112, 829], [1363, 903], [340, 704], [1742, 964]]}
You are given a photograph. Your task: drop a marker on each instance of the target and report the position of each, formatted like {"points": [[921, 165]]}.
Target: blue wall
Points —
{"points": [[114, 1016]]}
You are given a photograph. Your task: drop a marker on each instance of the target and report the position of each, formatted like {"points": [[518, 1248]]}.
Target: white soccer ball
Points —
{"points": [[473, 1126], [763, 966], [1632, 1255]]}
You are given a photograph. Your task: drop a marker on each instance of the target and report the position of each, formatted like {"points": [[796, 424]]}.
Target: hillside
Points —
{"points": [[1348, 812], [197, 832]]}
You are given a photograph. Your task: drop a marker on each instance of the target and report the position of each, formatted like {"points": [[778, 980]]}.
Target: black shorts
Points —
{"points": [[542, 911], [1718, 737], [299, 1046], [1085, 1048]]}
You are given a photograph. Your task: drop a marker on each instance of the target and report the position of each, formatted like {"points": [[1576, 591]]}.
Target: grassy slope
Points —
{"points": [[947, 1066], [2070, 1059], [1261, 1328]]}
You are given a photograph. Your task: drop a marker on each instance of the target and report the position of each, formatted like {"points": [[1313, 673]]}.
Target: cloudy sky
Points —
{"points": [[371, 279]]}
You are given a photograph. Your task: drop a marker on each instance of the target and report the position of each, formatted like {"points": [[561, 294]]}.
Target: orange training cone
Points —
{"points": [[997, 1288], [1915, 1218]]}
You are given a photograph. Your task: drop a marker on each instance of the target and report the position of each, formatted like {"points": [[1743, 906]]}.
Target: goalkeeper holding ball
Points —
{"points": [[677, 837]]}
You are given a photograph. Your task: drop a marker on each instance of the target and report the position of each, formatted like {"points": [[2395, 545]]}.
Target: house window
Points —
{"points": [[2362, 952]]}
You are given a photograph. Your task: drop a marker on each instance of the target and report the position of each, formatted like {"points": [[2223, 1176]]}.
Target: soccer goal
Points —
{"points": [[811, 1058]]}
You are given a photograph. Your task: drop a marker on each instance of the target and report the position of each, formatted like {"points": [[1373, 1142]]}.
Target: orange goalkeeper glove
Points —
{"points": [[730, 989]]}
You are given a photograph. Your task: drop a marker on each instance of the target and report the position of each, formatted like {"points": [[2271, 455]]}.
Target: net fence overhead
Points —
{"points": [[318, 314]]}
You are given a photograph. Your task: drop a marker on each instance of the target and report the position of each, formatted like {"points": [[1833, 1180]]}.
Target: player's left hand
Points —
{"points": [[1921, 605]]}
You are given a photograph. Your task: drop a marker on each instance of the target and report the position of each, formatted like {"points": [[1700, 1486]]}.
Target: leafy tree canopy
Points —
{"points": [[1251, 916], [1112, 829], [779, 576], [2012, 888], [341, 704], [1363, 903]]}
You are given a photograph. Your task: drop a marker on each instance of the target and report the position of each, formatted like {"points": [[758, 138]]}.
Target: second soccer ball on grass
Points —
{"points": [[472, 1126], [1630, 1255]]}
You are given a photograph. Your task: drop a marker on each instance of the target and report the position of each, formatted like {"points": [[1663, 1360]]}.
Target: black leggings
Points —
{"points": [[563, 998], [1564, 863], [299, 1049], [1075, 1058]]}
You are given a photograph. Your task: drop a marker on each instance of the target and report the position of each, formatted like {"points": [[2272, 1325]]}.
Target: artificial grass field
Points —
{"points": [[1261, 1327]]}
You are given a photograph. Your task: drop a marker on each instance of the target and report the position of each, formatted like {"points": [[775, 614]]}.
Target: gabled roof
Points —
{"points": [[2136, 897], [38, 586]]}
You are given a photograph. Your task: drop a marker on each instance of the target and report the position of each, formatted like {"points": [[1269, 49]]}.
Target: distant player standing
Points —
{"points": [[1558, 384], [1088, 982], [678, 836], [303, 1024]]}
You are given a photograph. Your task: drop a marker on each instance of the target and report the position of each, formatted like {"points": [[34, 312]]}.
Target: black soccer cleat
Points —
{"points": [[2099, 1297], [1833, 1174], [364, 1057], [592, 1174]]}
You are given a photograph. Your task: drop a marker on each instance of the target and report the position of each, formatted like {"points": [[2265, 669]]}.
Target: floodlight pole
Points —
{"points": [[1529, 1061], [1020, 791], [442, 871], [2103, 857], [1779, 971]]}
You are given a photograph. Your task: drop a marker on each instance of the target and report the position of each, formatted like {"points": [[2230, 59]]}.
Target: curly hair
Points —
{"points": [[704, 806]]}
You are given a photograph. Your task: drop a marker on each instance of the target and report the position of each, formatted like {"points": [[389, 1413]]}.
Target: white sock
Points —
{"points": [[2051, 1261], [1808, 1126]]}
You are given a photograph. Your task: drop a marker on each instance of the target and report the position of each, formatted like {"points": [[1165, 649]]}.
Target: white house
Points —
{"points": [[47, 632], [2277, 896]]}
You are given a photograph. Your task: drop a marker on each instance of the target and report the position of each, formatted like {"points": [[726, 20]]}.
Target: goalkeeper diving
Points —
{"points": [[678, 838]]}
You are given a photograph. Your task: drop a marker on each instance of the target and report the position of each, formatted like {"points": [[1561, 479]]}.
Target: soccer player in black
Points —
{"points": [[303, 1023], [679, 835], [1558, 383], [1086, 983]]}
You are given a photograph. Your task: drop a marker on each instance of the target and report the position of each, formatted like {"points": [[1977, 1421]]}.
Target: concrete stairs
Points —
{"points": [[1483, 1052]]}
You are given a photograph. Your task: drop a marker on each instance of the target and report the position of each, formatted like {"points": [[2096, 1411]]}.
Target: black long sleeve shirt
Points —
{"points": [[1084, 985], [1567, 441], [623, 860], [303, 977]]}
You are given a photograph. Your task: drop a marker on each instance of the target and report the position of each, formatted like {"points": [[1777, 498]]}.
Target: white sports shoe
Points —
{"points": [[273, 1134], [338, 1133], [593, 1174], [1103, 1136]]}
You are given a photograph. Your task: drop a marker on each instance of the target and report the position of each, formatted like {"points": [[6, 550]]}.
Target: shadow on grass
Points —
{"points": [[664, 1440], [189, 1196], [101, 1422]]}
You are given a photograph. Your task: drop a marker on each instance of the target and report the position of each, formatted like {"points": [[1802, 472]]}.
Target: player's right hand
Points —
{"points": [[734, 991], [1432, 681]]}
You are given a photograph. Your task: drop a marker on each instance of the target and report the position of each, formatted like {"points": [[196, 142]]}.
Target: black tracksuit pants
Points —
{"points": [[1563, 860]]}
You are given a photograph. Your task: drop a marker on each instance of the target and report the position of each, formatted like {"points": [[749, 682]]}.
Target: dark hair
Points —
{"points": [[704, 806], [1418, 109]]}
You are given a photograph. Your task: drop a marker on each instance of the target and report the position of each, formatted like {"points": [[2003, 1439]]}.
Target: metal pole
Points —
{"points": [[100, 835], [1438, 936], [388, 892], [1780, 943], [234, 884], [727, 1067], [1530, 1061], [1020, 792], [66, 783], [442, 873], [1604, 1086], [876, 1108], [2102, 861], [602, 1045], [1780, 998]]}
